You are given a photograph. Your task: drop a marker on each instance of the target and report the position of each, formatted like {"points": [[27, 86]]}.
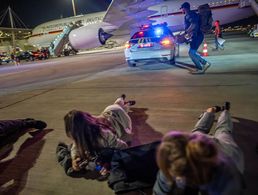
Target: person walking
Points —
{"points": [[193, 31], [211, 164], [17, 54], [217, 35]]}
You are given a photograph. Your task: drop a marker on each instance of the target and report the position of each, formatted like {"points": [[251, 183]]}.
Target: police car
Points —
{"points": [[152, 42]]}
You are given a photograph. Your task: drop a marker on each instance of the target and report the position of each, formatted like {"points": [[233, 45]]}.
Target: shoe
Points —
{"points": [[217, 108], [221, 47], [206, 66], [40, 124], [36, 124], [214, 49], [226, 106], [131, 102], [36, 127], [123, 96], [197, 71]]}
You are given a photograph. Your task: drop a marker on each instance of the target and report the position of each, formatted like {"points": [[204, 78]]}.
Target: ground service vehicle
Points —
{"points": [[26, 55], [33, 55], [4, 59], [152, 42], [39, 55], [254, 32]]}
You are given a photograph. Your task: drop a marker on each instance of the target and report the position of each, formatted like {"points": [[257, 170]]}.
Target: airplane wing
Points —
{"points": [[122, 16], [129, 13]]}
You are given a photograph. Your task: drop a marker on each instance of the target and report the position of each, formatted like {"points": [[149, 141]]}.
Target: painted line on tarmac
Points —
{"points": [[25, 99]]}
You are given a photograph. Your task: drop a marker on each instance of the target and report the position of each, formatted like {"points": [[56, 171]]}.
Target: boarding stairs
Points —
{"points": [[57, 46]]}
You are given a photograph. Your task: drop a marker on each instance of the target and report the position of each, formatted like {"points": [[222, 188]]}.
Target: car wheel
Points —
{"points": [[131, 63], [172, 61]]}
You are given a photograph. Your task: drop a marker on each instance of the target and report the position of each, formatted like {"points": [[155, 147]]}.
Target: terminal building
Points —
{"points": [[14, 37], [13, 32]]}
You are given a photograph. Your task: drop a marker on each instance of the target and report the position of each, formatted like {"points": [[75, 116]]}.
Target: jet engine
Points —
{"points": [[90, 36]]}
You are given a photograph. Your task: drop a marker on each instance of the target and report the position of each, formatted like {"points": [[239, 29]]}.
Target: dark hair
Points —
{"points": [[193, 156], [185, 5], [84, 130]]}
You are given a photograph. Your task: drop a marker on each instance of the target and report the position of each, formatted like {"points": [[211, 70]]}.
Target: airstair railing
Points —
{"points": [[57, 46]]}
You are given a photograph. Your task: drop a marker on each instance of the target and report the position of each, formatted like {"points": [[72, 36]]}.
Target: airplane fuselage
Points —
{"points": [[226, 11], [45, 33]]}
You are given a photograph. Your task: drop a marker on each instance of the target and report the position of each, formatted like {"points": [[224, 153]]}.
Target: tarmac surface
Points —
{"points": [[168, 98]]}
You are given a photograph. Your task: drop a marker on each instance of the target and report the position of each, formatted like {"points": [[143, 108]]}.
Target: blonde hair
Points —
{"points": [[192, 156]]}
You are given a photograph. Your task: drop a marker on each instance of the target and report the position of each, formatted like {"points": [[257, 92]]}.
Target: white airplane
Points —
{"points": [[124, 16]]}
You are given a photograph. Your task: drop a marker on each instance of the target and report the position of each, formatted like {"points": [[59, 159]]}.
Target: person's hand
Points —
{"points": [[103, 171], [76, 163]]}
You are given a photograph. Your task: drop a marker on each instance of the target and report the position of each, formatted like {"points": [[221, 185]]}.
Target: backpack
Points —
{"points": [[205, 18], [133, 168]]}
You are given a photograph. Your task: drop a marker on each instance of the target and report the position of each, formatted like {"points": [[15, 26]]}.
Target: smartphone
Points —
{"points": [[98, 167]]}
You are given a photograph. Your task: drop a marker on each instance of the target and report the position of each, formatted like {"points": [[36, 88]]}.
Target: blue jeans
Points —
{"points": [[223, 135], [195, 57]]}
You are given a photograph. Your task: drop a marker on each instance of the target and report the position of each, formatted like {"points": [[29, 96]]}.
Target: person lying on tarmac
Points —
{"points": [[89, 134], [213, 164], [11, 130]]}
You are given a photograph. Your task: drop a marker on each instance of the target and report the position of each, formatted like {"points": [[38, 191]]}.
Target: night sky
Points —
{"points": [[34, 12]]}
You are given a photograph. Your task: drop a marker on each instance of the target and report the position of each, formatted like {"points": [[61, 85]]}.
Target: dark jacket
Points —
{"points": [[133, 168], [130, 169]]}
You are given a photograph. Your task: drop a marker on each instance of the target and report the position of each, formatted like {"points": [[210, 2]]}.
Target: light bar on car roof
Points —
{"points": [[146, 26], [158, 31]]}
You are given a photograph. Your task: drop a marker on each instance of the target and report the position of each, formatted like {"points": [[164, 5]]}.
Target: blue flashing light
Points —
{"points": [[158, 31]]}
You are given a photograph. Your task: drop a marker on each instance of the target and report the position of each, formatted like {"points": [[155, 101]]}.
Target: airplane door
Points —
{"points": [[164, 11]]}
